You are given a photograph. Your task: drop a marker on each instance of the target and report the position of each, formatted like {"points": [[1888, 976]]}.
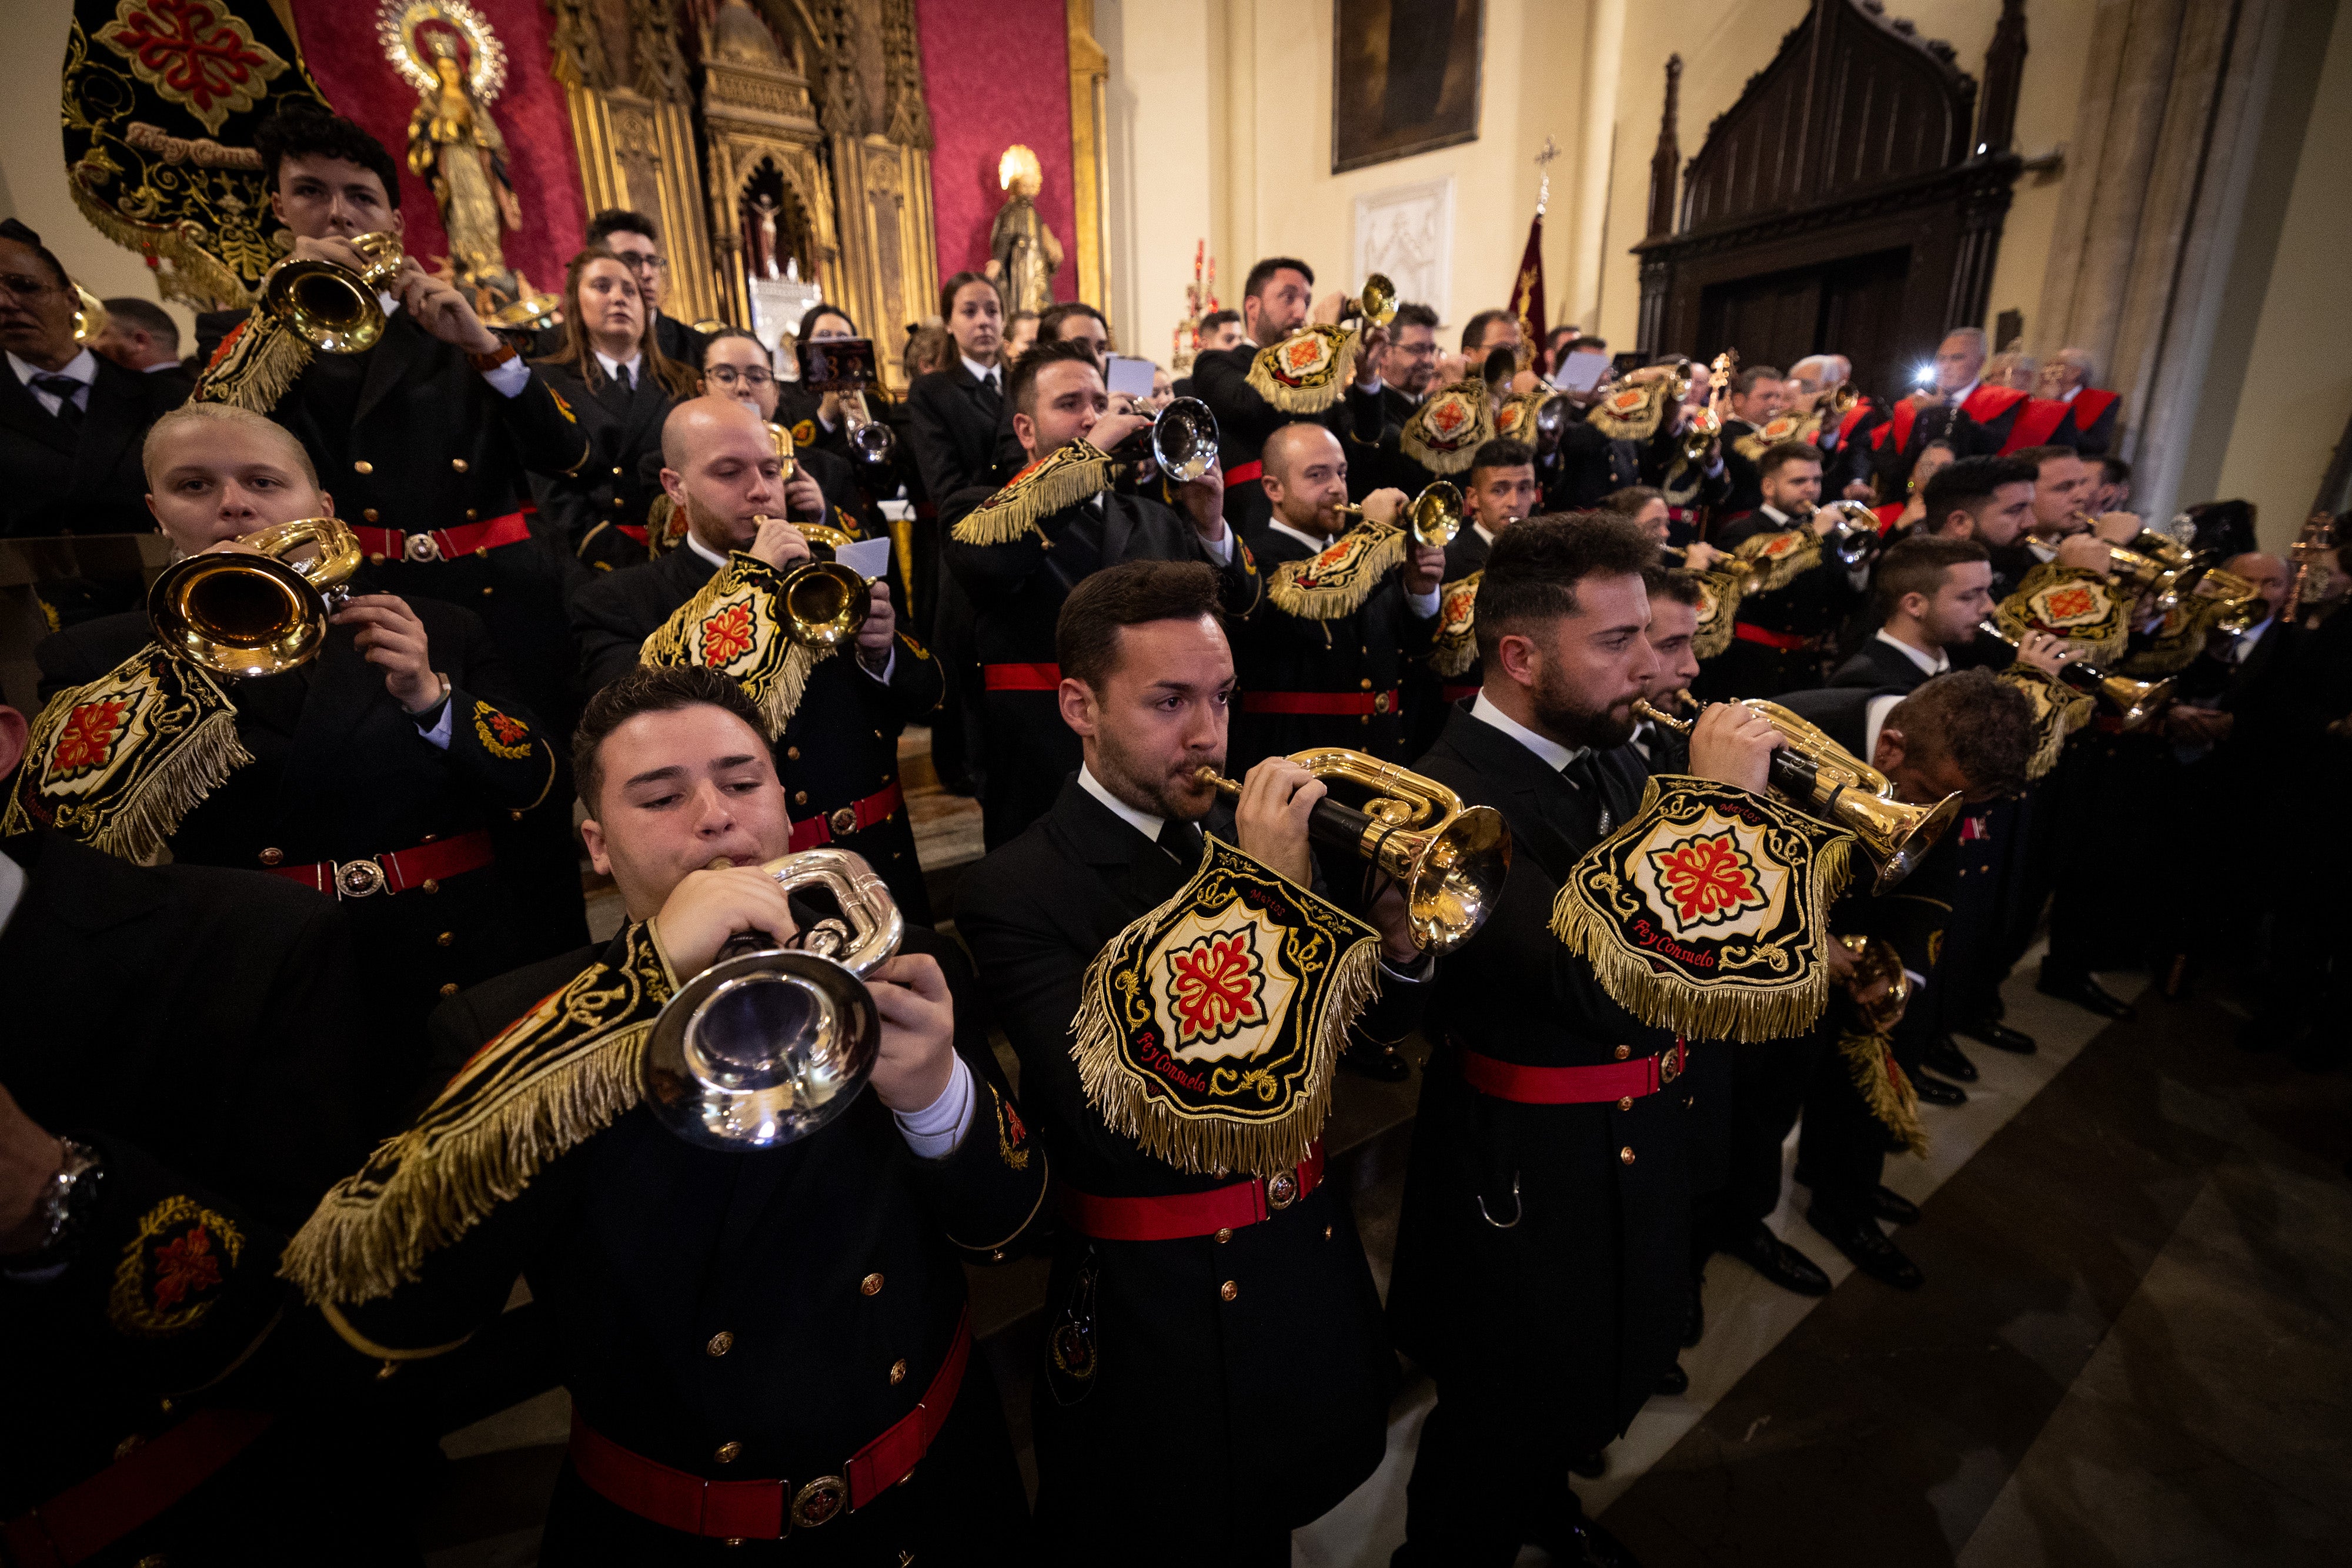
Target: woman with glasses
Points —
{"points": [[613, 378]]}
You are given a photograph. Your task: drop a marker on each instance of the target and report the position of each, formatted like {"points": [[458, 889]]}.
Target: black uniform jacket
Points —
{"points": [[1578, 1305], [586, 507], [828, 1263], [208, 1033], [1016, 591], [953, 419], [1244, 419], [1881, 668], [1812, 605], [1368, 652], [79, 479], [341, 773], [842, 744], [1746, 493], [408, 435], [1429, 698], [1269, 1425]]}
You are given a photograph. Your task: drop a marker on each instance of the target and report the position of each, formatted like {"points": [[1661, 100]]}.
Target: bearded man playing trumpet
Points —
{"points": [[762, 1337], [370, 769]]}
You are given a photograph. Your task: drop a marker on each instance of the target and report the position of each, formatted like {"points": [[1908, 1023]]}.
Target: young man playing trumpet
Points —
{"points": [[758, 1342], [837, 746], [373, 772]]}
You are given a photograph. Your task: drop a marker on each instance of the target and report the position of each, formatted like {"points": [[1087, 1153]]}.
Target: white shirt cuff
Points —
{"points": [[1423, 605], [1220, 549], [888, 665], [1372, 388], [934, 1131], [1420, 970], [439, 734], [508, 380]]}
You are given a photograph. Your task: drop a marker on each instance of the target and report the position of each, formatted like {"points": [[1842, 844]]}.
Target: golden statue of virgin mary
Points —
{"points": [[454, 144]]}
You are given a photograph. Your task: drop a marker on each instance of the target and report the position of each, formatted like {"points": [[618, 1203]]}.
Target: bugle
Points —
{"points": [[1816, 775], [1376, 305], [2133, 703], [1431, 518], [1448, 859], [328, 305], [1181, 438], [771, 1043], [241, 615], [825, 603], [1854, 537]]}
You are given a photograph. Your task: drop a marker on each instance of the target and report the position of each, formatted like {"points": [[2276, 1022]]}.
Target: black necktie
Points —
{"points": [[63, 388], [629, 382], [992, 401], [1183, 843], [1584, 774]]}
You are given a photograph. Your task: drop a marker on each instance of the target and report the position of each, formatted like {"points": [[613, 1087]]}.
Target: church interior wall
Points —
{"points": [[995, 74]]}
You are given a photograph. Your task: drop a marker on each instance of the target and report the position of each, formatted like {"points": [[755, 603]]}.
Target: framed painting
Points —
{"points": [[1404, 78]]}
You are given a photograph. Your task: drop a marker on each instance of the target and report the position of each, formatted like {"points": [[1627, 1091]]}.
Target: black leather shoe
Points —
{"points": [[1893, 1207], [1936, 1092], [1592, 1466], [1695, 1323], [1674, 1380], [1778, 1261], [1585, 1544], [1862, 1240], [1946, 1057], [2084, 992], [1385, 1064], [1999, 1036]]}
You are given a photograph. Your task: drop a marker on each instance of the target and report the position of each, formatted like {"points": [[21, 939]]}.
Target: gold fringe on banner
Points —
{"points": [[1443, 435], [1634, 412], [1720, 594], [1307, 371], [2059, 710], [1885, 1088], [1209, 1030], [1707, 912], [1454, 646], [1063, 478], [1337, 582], [1781, 557], [555, 1078], [255, 366], [735, 625], [185, 270], [2073, 602]]}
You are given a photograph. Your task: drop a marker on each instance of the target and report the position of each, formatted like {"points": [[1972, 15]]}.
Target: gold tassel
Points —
{"points": [[2058, 712], [1337, 582], [255, 366], [1315, 387], [195, 276], [1885, 1088], [197, 767], [1062, 479], [777, 694]]}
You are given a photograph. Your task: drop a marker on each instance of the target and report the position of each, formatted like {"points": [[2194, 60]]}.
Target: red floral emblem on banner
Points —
{"points": [[1216, 987], [1711, 880], [804, 432], [1780, 545], [726, 636], [1302, 354], [2068, 604], [184, 1266], [88, 737], [193, 54], [1448, 416], [1632, 401]]}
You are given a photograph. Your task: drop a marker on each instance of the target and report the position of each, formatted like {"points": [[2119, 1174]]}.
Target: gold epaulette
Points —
{"points": [[1307, 371], [255, 366], [736, 625], [1443, 435], [1337, 582], [1063, 478]]}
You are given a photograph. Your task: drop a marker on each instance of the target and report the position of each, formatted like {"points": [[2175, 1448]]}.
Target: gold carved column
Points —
{"points": [[1090, 154], [757, 111]]}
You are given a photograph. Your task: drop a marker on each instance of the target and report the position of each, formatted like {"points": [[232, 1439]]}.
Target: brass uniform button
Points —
{"points": [[273, 857], [450, 989], [870, 1286], [1366, 682], [800, 797], [458, 464], [616, 473], [153, 1560], [1326, 1233], [471, 515], [733, 1541], [432, 884], [792, 753], [1229, 1290], [727, 1453], [1626, 1104], [1225, 1233], [997, 1255], [446, 938], [376, 557], [720, 1343], [898, 1373], [1624, 1052], [486, 593], [362, 466], [369, 514], [1626, 1154]]}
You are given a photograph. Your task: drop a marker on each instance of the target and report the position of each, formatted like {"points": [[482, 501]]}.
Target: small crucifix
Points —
{"points": [[1543, 165]]}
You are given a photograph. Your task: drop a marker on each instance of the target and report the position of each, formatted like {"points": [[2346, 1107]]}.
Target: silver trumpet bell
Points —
{"points": [[769, 1044]]}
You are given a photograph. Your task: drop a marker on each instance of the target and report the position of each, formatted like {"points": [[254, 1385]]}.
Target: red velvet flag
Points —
{"points": [[1526, 289]]}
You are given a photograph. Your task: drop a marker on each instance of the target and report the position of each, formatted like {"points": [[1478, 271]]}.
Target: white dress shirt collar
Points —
{"points": [[980, 372], [613, 367], [704, 551], [1967, 392], [1143, 823], [1932, 664], [2068, 395], [1301, 535], [82, 367], [1554, 754], [1485, 533], [1775, 513], [11, 889]]}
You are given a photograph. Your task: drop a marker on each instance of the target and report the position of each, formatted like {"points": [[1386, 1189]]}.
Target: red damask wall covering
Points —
{"points": [[339, 42], [996, 72]]}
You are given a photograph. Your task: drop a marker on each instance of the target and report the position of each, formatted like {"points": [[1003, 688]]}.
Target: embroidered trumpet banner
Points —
{"points": [[1305, 372], [736, 626], [1209, 1029], [1443, 435], [1337, 581], [1063, 478]]}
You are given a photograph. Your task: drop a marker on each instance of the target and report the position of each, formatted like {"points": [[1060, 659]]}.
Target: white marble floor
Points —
{"points": [[1746, 1316]]}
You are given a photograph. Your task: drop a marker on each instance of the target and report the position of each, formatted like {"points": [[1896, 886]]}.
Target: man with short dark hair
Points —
{"points": [[687, 1277], [1017, 555], [1990, 500], [1411, 369], [139, 335], [2115, 484], [1499, 491], [1219, 331], [1275, 303], [1931, 593], [633, 237], [1175, 1291], [1542, 1257], [1780, 635], [1757, 394], [70, 420]]}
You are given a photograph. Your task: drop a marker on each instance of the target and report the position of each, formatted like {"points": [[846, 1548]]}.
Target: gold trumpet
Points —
{"points": [[1875, 959], [328, 305], [1432, 518], [2133, 703], [531, 314], [89, 316], [1448, 859], [825, 603], [1377, 304], [242, 615], [780, 439], [1708, 426], [1817, 776]]}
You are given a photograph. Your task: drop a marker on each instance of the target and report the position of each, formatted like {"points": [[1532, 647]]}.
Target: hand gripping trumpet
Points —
{"points": [[242, 615], [825, 603], [1448, 859], [2132, 702], [328, 305], [769, 1044], [1817, 776], [1181, 438], [1431, 518]]}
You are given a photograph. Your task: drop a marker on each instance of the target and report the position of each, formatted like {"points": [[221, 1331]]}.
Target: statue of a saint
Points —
{"points": [[1023, 253], [455, 145]]}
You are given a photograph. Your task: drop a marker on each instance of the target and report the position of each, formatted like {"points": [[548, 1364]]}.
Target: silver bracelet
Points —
{"points": [[57, 1209]]}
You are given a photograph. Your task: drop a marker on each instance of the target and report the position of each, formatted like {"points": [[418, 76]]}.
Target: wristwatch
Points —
{"points": [[67, 1200], [431, 713]]}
